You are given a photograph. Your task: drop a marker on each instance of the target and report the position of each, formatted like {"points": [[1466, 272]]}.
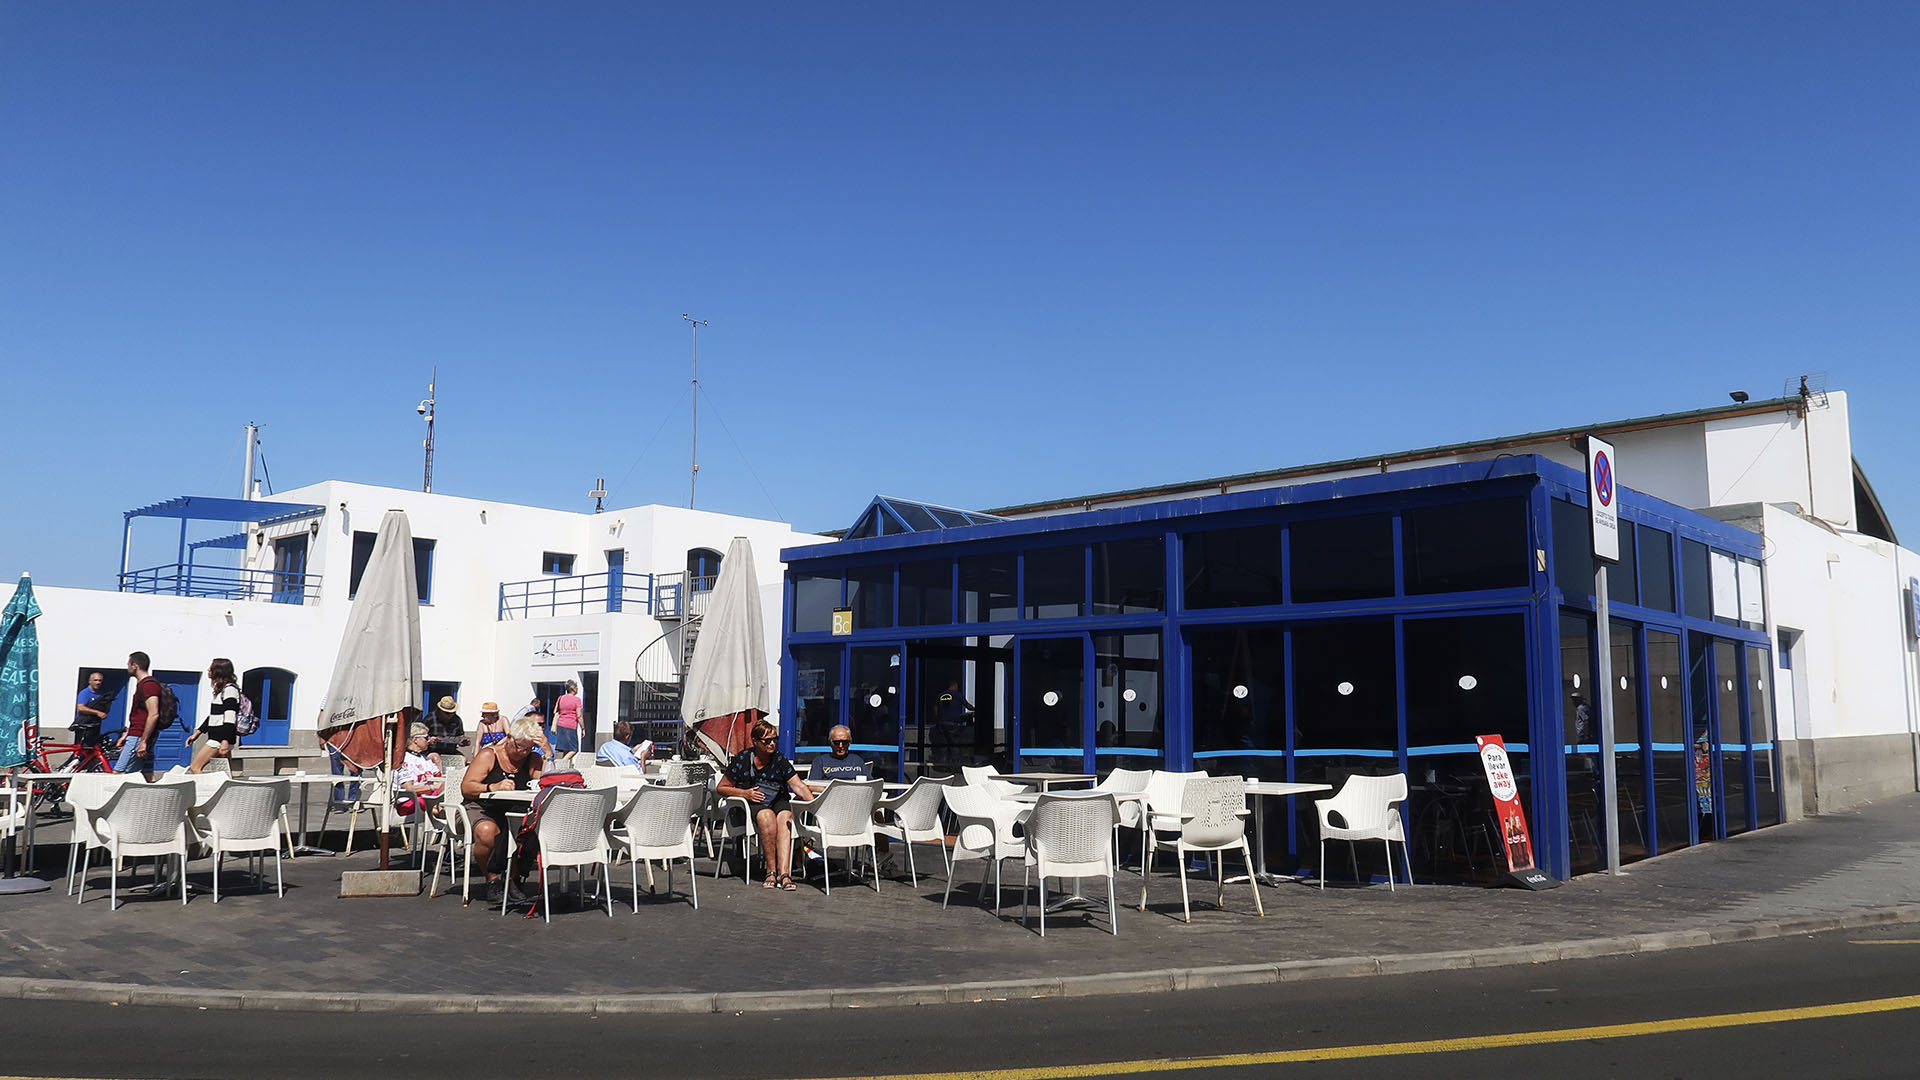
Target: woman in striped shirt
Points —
{"points": [[223, 717]]}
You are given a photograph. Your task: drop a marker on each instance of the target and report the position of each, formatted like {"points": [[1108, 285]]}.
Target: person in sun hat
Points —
{"points": [[492, 728], [446, 732]]}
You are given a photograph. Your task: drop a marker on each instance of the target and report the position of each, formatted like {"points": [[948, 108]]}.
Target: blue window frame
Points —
{"points": [[271, 691], [556, 562]]}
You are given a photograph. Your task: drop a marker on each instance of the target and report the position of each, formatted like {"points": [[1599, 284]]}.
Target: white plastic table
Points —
{"points": [[1260, 789]]}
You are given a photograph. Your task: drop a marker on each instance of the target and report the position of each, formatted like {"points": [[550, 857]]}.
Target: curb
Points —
{"points": [[1104, 985]]}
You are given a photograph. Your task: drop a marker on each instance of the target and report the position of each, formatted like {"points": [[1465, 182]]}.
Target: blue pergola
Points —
{"points": [[186, 508]]}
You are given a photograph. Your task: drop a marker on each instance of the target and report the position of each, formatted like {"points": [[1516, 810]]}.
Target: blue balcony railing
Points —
{"points": [[588, 594], [223, 583]]}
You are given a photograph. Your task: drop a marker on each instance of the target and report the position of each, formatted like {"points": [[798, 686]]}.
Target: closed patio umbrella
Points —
{"points": [[376, 675], [726, 685], [19, 704]]}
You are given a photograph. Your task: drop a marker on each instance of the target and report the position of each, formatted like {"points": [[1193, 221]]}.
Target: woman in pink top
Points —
{"points": [[566, 721]]}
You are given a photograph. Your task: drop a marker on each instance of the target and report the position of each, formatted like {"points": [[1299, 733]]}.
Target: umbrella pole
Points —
{"points": [[386, 801]]}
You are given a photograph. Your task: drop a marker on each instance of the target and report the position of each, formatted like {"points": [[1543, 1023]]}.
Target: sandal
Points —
{"points": [[786, 883], [772, 882]]}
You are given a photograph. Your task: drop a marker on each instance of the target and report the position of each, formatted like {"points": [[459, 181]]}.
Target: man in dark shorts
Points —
{"points": [[508, 765]]}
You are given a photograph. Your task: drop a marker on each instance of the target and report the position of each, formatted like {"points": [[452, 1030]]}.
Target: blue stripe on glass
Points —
{"points": [[865, 748], [1345, 753], [1201, 755], [1051, 751], [1125, 751]]}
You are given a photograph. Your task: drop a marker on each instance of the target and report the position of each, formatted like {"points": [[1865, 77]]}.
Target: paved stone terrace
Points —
{"points": [[748, 939]]}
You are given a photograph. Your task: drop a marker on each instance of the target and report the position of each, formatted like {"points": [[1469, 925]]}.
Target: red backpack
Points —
{"points": [[547, 782]]}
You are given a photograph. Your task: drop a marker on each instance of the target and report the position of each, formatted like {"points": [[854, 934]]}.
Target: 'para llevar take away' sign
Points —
{"points": [[1510, 815]]}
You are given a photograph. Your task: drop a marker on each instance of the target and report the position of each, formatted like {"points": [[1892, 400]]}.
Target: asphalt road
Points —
{"points": [[1503, 1021]]}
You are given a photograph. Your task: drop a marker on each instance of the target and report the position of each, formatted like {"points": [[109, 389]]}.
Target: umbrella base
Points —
{"points": [[358, 883], [22, 885]]}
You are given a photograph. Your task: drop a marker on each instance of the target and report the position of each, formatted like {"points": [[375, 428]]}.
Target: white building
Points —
{"points": [[516, 600]]}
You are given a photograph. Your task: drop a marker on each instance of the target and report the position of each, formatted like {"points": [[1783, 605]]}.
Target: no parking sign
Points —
{"points": [[1602, 490]]}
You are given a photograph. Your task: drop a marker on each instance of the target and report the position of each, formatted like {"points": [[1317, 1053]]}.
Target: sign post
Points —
{"points": [[1603, 510]]}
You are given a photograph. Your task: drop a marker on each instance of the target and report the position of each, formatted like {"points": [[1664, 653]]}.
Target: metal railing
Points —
{"points": [[223, 583], [587, 594]]}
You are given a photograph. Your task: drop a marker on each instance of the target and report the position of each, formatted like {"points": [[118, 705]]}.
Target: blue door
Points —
{"points": [[170, 746]]}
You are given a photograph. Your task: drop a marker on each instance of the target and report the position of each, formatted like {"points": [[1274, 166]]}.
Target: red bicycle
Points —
{"points": [[75, 757]]}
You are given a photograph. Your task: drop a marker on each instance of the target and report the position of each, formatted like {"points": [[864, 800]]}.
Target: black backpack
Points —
{"points": [[169, 708]]}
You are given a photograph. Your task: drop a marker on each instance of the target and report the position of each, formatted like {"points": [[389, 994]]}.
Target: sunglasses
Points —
{"points": [[840, 742], [763, 742]]}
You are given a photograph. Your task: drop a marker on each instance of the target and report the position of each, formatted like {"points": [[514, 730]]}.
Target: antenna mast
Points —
{"points": [[425, 409], [253, 448], [693, 479]]}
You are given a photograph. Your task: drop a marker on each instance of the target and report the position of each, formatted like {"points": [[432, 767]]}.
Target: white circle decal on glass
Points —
{"points": [[1129, 694], [1240, 691], [1663, 682], [1576, 681], [875, 700], [1468, 682], [1623, 682], [1729, 685], [1050, 697], [1345, 689], [893, 689]]}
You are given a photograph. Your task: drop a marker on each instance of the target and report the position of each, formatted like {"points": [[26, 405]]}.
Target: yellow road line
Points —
{"points": [[1423, 1046]]}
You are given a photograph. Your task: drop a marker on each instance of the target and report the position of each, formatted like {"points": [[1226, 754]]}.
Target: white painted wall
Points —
{"points": [[478, 545]]}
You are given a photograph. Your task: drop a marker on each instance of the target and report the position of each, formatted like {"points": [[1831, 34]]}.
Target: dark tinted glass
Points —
{"points": [[1572, 550], [1052, 719], [1130, 576], [870, 595], [1653, 549], [1621, 575], [1580, 732], [1233, 567], [873, 709], [815, 596], [1672, 746], [1629, 751], [1056, 582], [1463, 546], [1126, 694], [1766, 780], [986, 588], [926, 593], [1465, 677], [1344, 687], [1347, 558], [1239, 693], [1694, 579], [817, 694], [1733, 736], [1700, 712]]}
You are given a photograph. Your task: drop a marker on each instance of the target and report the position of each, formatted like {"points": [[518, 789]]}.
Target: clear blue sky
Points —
{"points": [[975, 254]]}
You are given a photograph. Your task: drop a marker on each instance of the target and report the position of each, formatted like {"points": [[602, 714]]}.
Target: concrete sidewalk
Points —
{"points": [[747, 947]]}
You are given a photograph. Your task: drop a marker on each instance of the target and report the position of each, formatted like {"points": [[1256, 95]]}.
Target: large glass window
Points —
{"points": [[1766, 781], [1348, 558], [1694, 577], [986, 588], [1622, 576], [1572, 549], [873, 711], [870, 595], [1056, 582], [926, 593], [1465, 676], [1052, 704], [1700, 714], [1233, 567], [1458, 547], [816, 691], [1127, 724], [1345, 715], [1654, 549], [1733, 741], [1629, 753], [1240, 701], [1673, 797], [815, 595], [1130, 576], [1580, 736]]}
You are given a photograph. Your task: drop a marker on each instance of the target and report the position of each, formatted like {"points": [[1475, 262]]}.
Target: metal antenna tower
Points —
{"points": [[693, 479], [426, 408]]}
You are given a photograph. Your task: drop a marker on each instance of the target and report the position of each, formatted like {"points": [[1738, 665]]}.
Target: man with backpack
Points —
{"points": [[145, 717]]}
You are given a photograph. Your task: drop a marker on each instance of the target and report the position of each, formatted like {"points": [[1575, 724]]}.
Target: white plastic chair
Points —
{"points": [[572, 831], [987, 778], [841, 816], [1213, 819], [1369, 809], [657, 823], [245, 817], [915, 818], [452, 834], [143, 819], [87, 792], [983, 829], [1070, 835]]}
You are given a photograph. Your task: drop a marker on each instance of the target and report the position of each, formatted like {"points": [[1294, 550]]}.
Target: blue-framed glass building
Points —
{"points": [[1370, 624]]}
